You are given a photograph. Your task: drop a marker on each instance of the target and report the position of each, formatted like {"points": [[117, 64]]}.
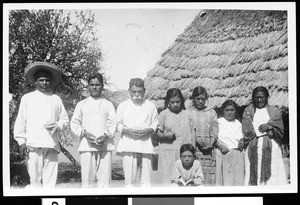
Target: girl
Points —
{"points": [[229, 156], [206, 127], [188, 171], [175, 128]]}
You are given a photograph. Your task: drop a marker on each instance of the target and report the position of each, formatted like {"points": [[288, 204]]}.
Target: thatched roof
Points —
{"points": [[229, 52]]}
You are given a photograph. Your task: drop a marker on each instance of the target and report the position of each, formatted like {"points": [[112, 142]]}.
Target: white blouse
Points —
{"points": [[230, 132], [261, 116]]}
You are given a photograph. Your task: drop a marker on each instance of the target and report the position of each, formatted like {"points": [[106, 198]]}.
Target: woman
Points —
{"points": [[230, 166], [175, 128], [206, 127], [263, 131]]}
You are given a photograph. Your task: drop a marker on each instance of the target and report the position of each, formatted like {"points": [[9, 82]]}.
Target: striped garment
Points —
{"points": [[205, 121], [206, 127]]}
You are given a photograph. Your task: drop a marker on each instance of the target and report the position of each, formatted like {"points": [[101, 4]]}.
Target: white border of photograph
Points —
{"points": [[290, 188]]}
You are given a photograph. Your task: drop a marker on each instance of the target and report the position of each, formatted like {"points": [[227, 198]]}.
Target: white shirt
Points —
{"points": [[96, 116], [230, 132], [261, 116], [35, 111], [132, 116]]}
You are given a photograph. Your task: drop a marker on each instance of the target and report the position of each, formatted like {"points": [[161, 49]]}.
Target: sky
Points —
{"points": [[132, 40]]}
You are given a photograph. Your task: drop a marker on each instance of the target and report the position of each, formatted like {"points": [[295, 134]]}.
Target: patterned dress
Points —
{"points": [[206, 128], [168, 151]]}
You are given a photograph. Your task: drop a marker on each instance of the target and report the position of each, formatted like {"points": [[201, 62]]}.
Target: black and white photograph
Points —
{"points": [[132, 99]]}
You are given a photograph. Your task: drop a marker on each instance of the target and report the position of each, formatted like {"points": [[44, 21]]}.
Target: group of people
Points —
{"points": [[246, 152]]}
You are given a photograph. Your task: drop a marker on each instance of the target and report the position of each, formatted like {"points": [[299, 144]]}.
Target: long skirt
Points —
{"points": [[230, 168], [166, 165], [278, 173]]}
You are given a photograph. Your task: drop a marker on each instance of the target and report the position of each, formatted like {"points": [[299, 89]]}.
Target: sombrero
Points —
{"points": [[31, 69]]}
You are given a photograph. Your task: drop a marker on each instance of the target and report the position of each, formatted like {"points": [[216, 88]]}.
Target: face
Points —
{"points": [[137, 94], [187, 158], [175, 104], [43, 83], [199, 101], [95, 88], [229, 113], [260, 99]]}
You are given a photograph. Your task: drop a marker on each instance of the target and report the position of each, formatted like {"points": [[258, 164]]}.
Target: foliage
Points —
{"points": [[66, 39]]}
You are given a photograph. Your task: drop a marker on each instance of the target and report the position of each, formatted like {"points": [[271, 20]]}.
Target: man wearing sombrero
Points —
{"points": [[41, 116]]}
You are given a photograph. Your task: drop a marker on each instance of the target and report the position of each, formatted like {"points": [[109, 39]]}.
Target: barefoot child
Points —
{"points": [[188, 171]]}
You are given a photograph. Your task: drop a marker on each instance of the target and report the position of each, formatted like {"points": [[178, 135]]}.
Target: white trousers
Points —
{"points": [[42, 166], [130, 161], [95, 166]]}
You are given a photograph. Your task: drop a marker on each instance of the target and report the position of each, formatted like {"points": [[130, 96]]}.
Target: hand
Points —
{"points": [[223, 148], [23, 149], [241, 145], [270, 134], [130, 132], [170, 135], [102, 138], [145, 132], [201, 142], [51, 127], [176, 180], [90, 137], [264, 128]]}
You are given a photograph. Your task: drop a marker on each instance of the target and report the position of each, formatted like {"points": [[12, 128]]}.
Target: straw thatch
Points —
{"points": [[229, 52]]}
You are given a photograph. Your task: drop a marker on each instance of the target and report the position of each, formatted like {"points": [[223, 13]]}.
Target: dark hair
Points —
{"points": [[95, 76], [260, 89], [198, 91], [138, 82], [229, 103], [42, 73], [187, 147], [173, 92]]}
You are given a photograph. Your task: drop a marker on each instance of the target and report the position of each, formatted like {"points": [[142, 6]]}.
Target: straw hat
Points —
{"points": [[31, 69]]}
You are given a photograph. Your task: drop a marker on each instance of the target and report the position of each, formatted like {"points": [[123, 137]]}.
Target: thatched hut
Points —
{"points": [[229, 52]]}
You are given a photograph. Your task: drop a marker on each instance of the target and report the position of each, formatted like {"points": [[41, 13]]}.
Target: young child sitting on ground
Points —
{"points": [[188, 171]]}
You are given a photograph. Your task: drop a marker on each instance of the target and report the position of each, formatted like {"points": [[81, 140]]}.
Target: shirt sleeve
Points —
{"points": [[276, 122], [154, 118], [120, 124], [161, 122], [176, 172], [247, 126], [63, 119], [111, 121], [193, 129], [199, 177], [76, 121], [214, 129], [20, 123]]}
